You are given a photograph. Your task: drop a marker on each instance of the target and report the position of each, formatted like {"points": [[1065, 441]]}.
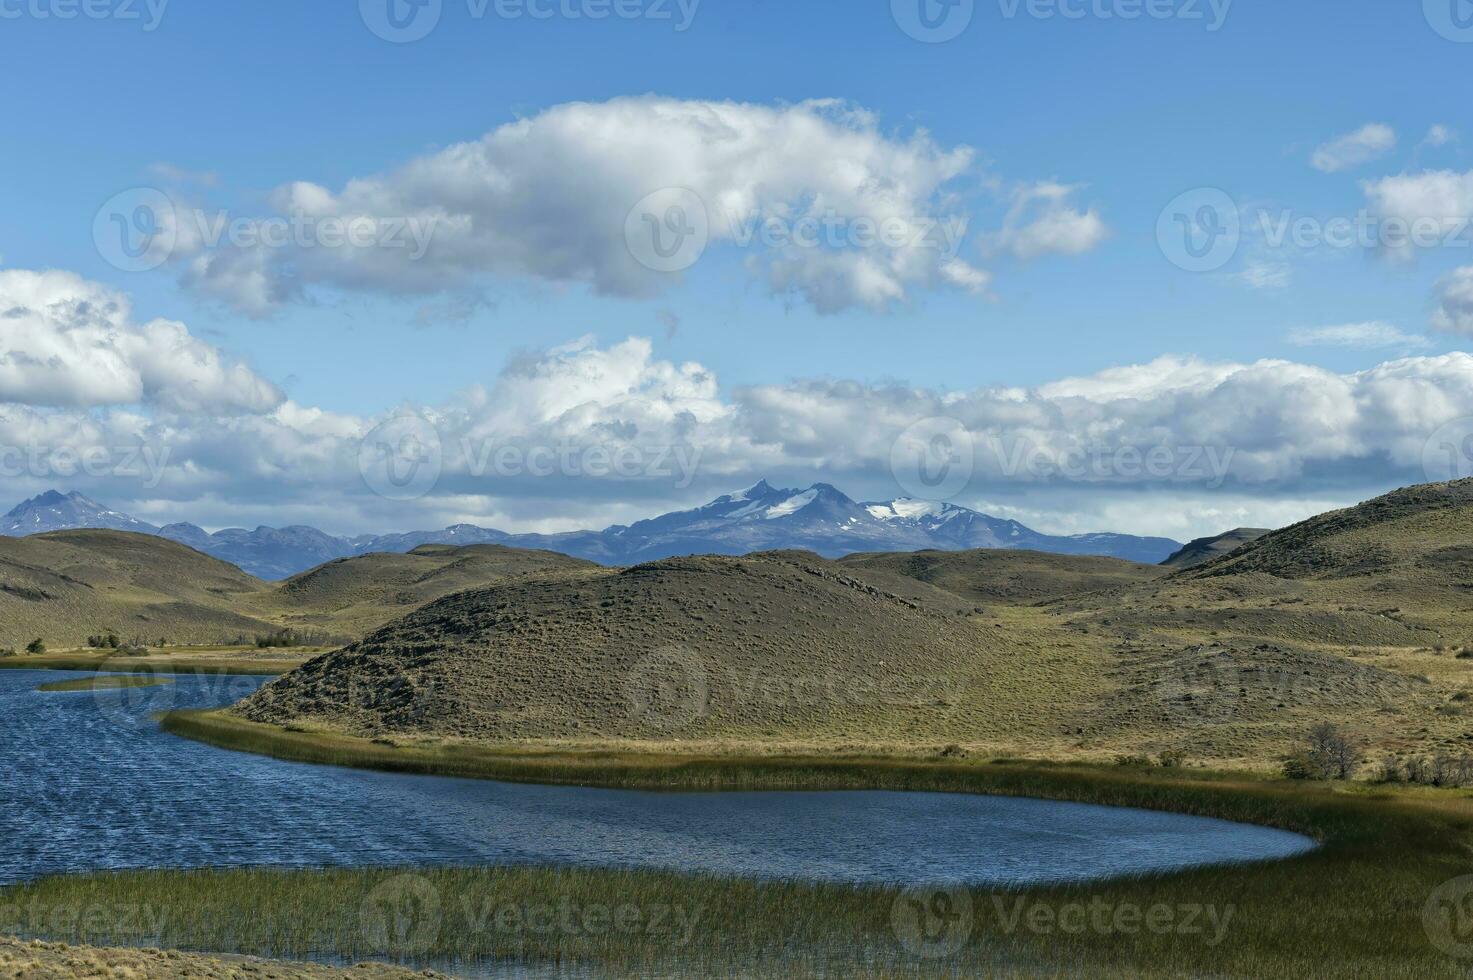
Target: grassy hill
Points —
{"points": [[356, 595], [1008, 577], [1204, 550], [1362, 616], [771, 649], [67, 585]]}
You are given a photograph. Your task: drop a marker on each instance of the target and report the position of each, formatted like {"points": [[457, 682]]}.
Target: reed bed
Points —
{"points": [[1363, 904]]}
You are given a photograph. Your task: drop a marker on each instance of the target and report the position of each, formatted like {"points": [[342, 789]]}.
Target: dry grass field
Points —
{"points": [[68, 585], [1364, 617]]}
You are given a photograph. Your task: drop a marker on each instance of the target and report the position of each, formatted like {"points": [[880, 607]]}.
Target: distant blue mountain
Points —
{"points": [[760, 518]]}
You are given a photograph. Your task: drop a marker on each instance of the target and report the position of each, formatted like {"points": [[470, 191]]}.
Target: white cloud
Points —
{"points": [[1431, 206], [546, 198], [1359, 336], [65, 341], [1370, 142], [1439, 135], [1042, 222], [1266, 274], [1455, 302], [1243, 440]]}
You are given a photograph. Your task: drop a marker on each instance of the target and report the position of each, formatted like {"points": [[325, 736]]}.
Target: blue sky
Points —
{"points": [[1126, 113]]}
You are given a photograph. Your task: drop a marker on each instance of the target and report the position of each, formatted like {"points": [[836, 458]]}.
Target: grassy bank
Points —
{"points": [[106, 683], [1358, 905], [194, 661]]}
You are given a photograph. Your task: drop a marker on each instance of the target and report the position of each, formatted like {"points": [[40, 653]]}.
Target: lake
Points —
{"points": [[91, 783]]}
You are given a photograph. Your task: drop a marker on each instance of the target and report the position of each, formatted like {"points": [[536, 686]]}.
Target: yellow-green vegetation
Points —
{"points": [[1008, 577], [777, 648], [55, 961], [110, 682], [170, 660], [1366, 903], [67, 586], [1359, 617]]}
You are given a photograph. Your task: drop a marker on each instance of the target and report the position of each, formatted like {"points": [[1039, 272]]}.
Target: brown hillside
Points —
{"points": [[773, 646], [1011, 577]]}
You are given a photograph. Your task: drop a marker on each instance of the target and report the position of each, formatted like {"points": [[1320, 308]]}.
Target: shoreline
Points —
{"points": [[1358, 898]]}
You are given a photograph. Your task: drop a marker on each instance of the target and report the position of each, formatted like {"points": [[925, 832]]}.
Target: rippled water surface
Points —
{"points": [[90, 783]]}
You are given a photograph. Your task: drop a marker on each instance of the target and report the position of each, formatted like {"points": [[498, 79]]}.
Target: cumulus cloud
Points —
{"points": [[1455, 302], [1358, 336], [1433, 208], [1370, 142], [1041, 222], [625, 433], [68, 342], [549, 198]]}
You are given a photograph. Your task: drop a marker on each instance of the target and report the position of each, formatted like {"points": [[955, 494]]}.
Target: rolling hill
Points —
{"points": [[776, 648], [1362, 616], [67, 585], [1010, 577], [1204, 550]]}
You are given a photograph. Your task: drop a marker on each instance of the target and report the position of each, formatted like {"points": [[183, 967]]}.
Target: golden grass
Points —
{"points": [[246, 661], [1364, 904]]}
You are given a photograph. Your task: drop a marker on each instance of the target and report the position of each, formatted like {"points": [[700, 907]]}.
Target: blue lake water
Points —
{"points": [[91, 783]]}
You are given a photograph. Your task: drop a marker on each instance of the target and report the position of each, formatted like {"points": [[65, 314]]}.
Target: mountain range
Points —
{"points": [[760, 518]]}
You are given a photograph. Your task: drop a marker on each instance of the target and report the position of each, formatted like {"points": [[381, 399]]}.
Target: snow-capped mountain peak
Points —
{"points": [[56, 511], [907, 509], [760, 518]]}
